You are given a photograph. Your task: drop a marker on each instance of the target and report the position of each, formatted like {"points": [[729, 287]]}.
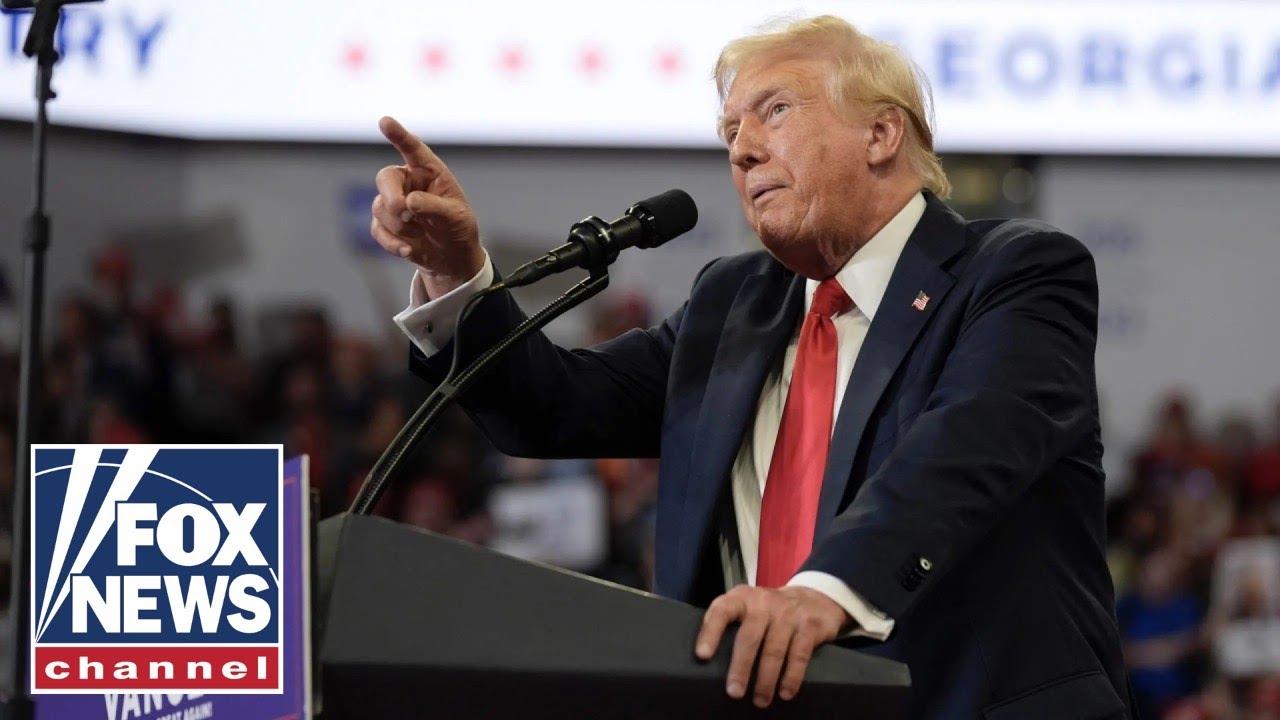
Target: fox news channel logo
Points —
{"points": [[156, 568]]}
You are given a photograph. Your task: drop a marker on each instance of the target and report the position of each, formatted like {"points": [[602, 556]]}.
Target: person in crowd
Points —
{"points": [[1244, 626], [132, 377], [1237, 436], [1160, 622], [215, 382], [1262, 479], [1175, 455]]}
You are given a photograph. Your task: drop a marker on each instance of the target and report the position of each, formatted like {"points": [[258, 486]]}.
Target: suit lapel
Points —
{"points": [[756, 331], [938, 236]]}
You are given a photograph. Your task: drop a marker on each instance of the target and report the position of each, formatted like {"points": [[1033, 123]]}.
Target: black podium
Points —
{"points": [[414, 625]]}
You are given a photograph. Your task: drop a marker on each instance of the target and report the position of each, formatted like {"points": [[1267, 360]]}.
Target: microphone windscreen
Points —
{"points": [[673, 212]]}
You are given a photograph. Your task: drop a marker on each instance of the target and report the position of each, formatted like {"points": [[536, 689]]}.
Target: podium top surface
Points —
{"points": [[436, 612]]}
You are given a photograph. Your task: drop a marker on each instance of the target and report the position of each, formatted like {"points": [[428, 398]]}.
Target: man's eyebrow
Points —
{"points": [[753, 105]]}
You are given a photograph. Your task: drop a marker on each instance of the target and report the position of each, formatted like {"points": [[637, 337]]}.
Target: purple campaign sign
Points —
{"points": [[294, 704]]}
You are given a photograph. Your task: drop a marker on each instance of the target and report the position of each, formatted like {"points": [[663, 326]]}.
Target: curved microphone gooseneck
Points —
{"points": [[388, 466]]}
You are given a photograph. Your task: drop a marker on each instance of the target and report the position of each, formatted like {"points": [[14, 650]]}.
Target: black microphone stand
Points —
{"points": [[428, 414], [40, 45]]}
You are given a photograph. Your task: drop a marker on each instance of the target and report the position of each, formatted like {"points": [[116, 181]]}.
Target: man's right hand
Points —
{"points": [[421, 214]]}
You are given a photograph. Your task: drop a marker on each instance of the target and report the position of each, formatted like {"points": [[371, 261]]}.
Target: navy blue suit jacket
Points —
{"points": [[963, 493]]}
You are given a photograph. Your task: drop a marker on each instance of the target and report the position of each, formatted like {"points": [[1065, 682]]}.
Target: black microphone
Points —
{"points": [[593, 243]]}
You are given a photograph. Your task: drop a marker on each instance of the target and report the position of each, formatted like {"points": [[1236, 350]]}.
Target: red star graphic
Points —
{"points": [[591, 61], [670, 62], [435, 58], [355, 57], [513, 60]]}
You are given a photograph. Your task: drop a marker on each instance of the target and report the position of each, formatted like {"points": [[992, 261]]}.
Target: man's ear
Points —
{"points": [[888, 133]]}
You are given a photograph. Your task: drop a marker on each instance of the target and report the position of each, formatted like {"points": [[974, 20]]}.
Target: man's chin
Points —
{"points": [[788, 250], [778, 238], [779, 222], [797, 252]]}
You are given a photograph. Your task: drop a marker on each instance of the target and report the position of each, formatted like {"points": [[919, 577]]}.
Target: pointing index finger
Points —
{"points": [[414, 151]]}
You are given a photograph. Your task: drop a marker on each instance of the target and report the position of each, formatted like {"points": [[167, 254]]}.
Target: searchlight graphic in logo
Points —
{"points": [[156, 568]]}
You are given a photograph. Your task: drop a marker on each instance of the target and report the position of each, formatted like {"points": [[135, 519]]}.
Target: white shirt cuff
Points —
{"points": [[430, 323], [868, 620]]}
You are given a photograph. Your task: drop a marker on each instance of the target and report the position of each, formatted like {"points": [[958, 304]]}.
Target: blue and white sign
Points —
{"points": [[1082, 76], [293, 704], [157, 569]]}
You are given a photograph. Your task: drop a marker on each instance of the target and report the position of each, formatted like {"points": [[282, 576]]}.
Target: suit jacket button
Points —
{"points": [[925, 564]]}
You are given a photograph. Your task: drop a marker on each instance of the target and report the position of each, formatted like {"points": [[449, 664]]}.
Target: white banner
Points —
{"points": [[1082, 76]]}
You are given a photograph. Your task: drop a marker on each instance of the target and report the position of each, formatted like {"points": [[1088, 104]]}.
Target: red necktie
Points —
{"points": [[791, 492]]}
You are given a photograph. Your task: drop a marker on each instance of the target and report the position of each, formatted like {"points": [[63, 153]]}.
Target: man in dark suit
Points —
{"points": [[882, 431]]}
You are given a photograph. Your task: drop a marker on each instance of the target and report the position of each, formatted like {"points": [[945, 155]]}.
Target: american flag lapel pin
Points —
{"points": [[921, 301]]}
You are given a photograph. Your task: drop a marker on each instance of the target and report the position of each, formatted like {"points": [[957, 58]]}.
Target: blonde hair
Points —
{"points": [[870, 76]]}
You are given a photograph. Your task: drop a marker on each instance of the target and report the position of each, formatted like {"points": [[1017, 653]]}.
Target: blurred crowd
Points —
{"points": [[1196, 559], [1193, 548], [129, 363]]}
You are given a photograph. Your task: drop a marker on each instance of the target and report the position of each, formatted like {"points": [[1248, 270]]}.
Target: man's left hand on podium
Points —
{"points": [[782, 626]]}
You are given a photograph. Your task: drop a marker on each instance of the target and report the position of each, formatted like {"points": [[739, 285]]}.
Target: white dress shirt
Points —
{"points": [[430, 325]]}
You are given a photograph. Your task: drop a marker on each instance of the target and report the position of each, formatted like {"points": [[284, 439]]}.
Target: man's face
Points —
{"points": [[799, 166]]}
